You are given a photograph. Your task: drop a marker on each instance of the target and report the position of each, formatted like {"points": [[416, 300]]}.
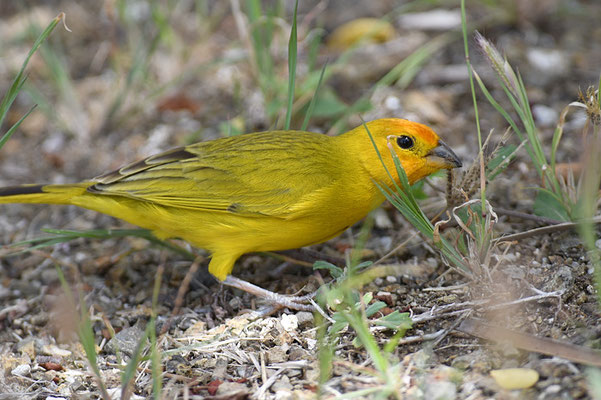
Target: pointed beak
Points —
{"points": [[444, 157]]}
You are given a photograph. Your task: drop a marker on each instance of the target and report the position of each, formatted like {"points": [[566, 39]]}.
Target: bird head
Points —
{"points": [[419, 149]]}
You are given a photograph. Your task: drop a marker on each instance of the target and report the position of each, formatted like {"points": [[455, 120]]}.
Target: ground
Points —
{"points": [[129, 79]]}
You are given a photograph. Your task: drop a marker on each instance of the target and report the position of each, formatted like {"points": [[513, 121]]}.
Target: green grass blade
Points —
{"points": [[19, 80], [360, 326], [313, 99], [61, 236], [128, 375], [292, 54], [474, 98], [155, 355], [13, 128], [84, 331]]}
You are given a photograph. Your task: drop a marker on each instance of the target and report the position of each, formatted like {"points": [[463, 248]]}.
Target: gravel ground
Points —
{"points": [[198, 84]]}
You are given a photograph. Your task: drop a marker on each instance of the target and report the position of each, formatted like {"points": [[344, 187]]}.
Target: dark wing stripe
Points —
{"points": [[177, 154], [19, 190]]}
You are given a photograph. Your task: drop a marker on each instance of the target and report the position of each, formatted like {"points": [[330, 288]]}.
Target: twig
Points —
{"points": [[530, 217], [181, 292], [528, 342], [544, 229], [455, 325]]}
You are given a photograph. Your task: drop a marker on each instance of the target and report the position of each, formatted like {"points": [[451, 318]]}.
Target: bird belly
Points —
{"points": [[223, 231]]}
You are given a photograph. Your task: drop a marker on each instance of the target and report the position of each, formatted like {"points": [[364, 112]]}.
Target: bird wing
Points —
{"points": [[275, 174]]}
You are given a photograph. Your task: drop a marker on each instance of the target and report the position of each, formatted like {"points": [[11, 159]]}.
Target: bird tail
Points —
{"points": [[42, 194]]}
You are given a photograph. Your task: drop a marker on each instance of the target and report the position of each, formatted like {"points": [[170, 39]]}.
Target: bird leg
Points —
{"points": [[292, 302]]}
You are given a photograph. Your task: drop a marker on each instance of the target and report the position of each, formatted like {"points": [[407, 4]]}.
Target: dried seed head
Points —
{"points": [[590, 100]]}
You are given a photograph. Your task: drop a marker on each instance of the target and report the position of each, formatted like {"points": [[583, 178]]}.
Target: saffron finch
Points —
{"points": [[264, 191]]}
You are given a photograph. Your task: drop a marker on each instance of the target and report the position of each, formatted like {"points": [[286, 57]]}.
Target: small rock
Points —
{"points": [[545, 116], [304, 318], [125, 341], [27, 346], [515, 378], [40, 319], [386, 297], [392, 103], [277, 354], [199, 327], [21, 370], [115, 393], [477, 360], [282, 384], [232, 389], [294, 373], [4, 292], [440, 390], [549, 62], [381, 219], [296, 352], [289, 322], [49, 276], [284, 395], [220, 369], [312, 373], [53, 350], [435, 20]]}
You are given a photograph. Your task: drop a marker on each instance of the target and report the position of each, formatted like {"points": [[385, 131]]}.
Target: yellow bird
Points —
{"points": [[263, 191]]}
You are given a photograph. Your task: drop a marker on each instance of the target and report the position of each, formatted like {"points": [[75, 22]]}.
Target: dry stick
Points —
{"points": [[551, 347], [448, 330], [263, 389], [531, 217], [455, 309], [445, 288], [181, 292], [543, 230], [422, 338]]}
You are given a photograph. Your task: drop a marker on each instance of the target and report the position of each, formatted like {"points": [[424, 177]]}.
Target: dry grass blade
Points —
{"points": [[524, 341]]}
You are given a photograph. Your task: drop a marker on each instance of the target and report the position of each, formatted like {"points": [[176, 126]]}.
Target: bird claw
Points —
{"points": [[276, 300]]}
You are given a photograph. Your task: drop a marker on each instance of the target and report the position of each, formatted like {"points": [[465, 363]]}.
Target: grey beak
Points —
{"points": [[444, 155]]}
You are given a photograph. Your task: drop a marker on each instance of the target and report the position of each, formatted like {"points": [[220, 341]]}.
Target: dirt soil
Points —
{"points": [[116, 88]]}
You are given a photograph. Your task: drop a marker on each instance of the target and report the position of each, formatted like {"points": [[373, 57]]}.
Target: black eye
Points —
{"points": [[405, 142]]}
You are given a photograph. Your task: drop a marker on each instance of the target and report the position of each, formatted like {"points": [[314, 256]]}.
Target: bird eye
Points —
{"points": [[405, 142]]}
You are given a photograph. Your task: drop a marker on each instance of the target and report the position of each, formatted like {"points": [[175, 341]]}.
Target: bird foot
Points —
{"points": [[275, 299]]}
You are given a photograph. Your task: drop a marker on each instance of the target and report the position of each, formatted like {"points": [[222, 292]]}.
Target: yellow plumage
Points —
{"points": [[263, 191]]}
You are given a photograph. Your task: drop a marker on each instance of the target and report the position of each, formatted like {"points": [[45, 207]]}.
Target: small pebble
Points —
{"points": [[544, 115], [282, 384], [289, 322], [231, 389], [284, 395], [304, 318], [21, 370], [515, 378]]}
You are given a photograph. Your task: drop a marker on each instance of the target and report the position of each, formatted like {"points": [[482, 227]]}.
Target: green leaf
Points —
{"points": [[502, 155], [374, 308], [334, 270], [359, 267], [327, 104], [339, 324], [395, 320], [547, 205]]}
